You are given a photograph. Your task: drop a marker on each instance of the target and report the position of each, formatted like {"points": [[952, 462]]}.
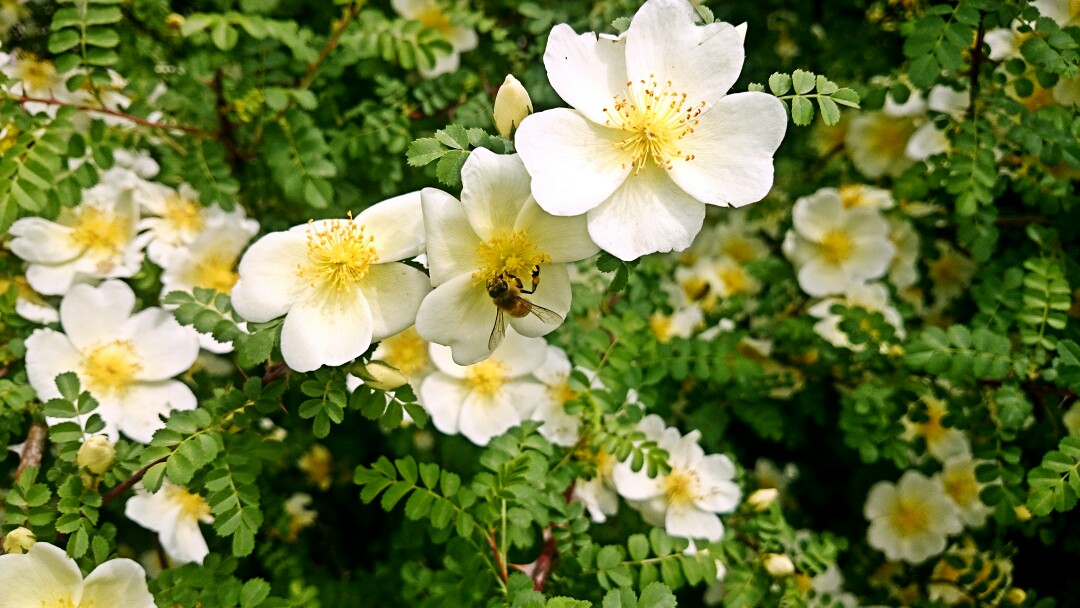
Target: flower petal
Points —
{"points": [[443, 397], [494, 188], [553, 293], [269, 283], [820, 278], [49, 353], [585, 71], [397, 225], [393, 293], [164, 347], [145, 404], [648, 214], [688, 521], [451, 240], [52, 280], [732, 146], [520, 355], [664, 44], [117, 582], [564, 239], [39, 241], [815, 215], [575, 163], [460, 315], [483, 417], [41, 577], [184, 542], [92, 315], [326, 329]]}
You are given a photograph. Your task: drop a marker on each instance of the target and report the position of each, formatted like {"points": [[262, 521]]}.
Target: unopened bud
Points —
{"points": [[19, 540], [380, 375], [1016, 596], [175, 20], [1022, 512], [96, 454], [512, 105], [762, 499], [778, 565]]}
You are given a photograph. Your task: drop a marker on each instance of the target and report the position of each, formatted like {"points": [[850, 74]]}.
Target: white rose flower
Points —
{"points": [[94, 240], [174, 513], [495, 232], [432, 14], [910, 520], [485, 399], [339, 282], [834, 247], [958, 478], [942, 442], [35, 77], [653, 135], [598, 494], [175, 218], [125, 361], [872, 297], [560, 427], [903, 270], [46, 576]]}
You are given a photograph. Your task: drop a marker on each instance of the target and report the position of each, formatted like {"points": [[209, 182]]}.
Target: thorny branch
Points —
{"points": [[33, 448], [24, 99]]}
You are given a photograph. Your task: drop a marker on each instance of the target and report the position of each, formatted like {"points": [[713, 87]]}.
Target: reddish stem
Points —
{"points": [[33, 448], [23, 99]]}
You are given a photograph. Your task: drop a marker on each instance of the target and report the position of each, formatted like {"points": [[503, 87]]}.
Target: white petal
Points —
{"points": [[164, 347], [870, 258], [409, 8], [92, 315], [520, 355], [880, 501], [494, 188], [925, 142], [451, 240], [463, 38], [485, 417], [185, 543], [553, 293], [636, 486], [48, 354], [443, 397], [52, 280], [40, 577], [39, 241], [326, 329], [648, 214], [555, 368], [117, 582], [269, 283], [733, 146], [663, 43], [143, 406], [575, 163], [460, 315], [689, 522], [397, 225], [564, 239], [820, 278], [815, 215], [393, 293], [585, 71]]}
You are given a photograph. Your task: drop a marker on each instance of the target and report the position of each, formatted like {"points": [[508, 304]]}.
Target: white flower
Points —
{"points": [[834, 247], [175, 218], [951, 273], [125, 361], [496, 232], [46, 576], [560, 427], [680, 324], [598, 494], [487, 398], [38, 78], [94, 240], [859, 195], [687, 499], [432, 14], [872, 297], [174, 513], [903, 271], [958, 478], [653, 136], [910, 520], [337, 282]]}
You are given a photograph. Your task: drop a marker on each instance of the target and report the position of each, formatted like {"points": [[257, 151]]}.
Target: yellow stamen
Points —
{"points": [[660, 324], [739, 249], [407, 351], [37, 75], [734, 278], [561, 392], [486, 377], [339, 255], [679, 487], [851, 195], [111, 367], [909, 518], [433, 16], [962, 487], [836, 247], [214, 270], [656, 118], [182, 213], [191, 504], [100, 230], [509, 254]]}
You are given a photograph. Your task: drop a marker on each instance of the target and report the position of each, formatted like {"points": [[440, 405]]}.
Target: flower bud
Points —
{"points": [[19, 540], [762, 499], [96, 454], [1016, 596], [379, 375], [778, 565], [175, 20], [512, 105], [1022, 512]]}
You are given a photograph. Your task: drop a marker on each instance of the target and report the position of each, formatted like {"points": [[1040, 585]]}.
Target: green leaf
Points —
{"points": [[779, 83], [254, 592], [802, 111], [657, 595], [803, 81]]}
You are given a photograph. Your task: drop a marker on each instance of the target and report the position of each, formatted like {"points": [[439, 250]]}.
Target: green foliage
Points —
{"points": [[30, 167], [450, 146], [829, 96], [84, 34], [1055, 484]]}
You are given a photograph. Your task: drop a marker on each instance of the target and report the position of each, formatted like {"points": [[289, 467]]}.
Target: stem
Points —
{"points": [[976, 63], [330, 44], [502, 541], [115, 493], [23, 99], [500, 565], [33, 449]]}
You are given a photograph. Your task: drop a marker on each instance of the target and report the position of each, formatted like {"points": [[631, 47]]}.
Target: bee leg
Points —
{"points": [[535, 280]]}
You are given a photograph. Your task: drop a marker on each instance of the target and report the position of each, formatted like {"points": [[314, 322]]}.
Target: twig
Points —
{"points": [[33, 449], [115, 493], [976, 64], [499, 563], [330, 44], [24, 99]]}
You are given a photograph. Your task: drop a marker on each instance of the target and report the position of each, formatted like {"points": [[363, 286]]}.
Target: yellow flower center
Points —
{"points": [[191, 504], [407, 351], [660, 324], [909, 518], [734, 278], [679, 487], [100, 230], [8, 136], [317, 464], [214, 270], [836, 246], [890, 135], [655, 118], [560, 392], [962, 487], [486, 377], [433, 16], [183, 214], [509, 254], [37, 75], [111, 367], [339, 255], [739, 249], [65, 601], [944, 271], [851, 195]]}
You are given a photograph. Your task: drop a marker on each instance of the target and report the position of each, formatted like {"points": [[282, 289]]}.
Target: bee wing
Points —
{"points": [[498, 331], [544, 314]]}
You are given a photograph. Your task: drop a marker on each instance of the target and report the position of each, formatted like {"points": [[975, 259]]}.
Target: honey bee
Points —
{"points": [[505, 291]]}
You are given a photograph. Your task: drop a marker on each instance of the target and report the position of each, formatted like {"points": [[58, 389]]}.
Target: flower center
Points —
{"points": [[433, 16], [8, 136], [214, 270], [407, 351], [679, 487], [890, 136], [695, 288], [655, 118], [509, 254], [65, 601], [739, 249], [339, 255], [486, 377], [183, 214], [734, 279], [560, 392], [660, 324], [37, 75], [851, 195], [100, 230], [963, 488], [191, 504], [836, 246], [909, 518], [111, 367]]}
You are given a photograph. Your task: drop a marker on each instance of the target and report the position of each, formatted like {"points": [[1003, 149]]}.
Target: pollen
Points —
{"points": [[111, 367], [37, 75], [509, 254], [407, 351], [560, 392], [851, 195], [735, 279], [836, 247], [183, 214], [213, 270], [962, 487], [739, 249], [191, 504], [655, 118], [909, 518], [486, 377], [339, 255], [679, 487], [433, 16], [99, 230], [660, 324], [65, 601]]}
